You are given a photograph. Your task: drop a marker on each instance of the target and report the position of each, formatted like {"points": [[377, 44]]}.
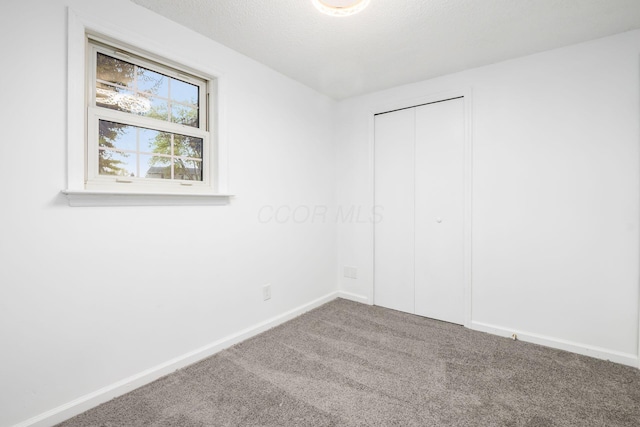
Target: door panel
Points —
{"points": [[394, 197], [439, 211]]}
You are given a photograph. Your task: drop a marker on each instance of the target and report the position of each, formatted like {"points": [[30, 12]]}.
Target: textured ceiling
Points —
{"points": [[395, 42]]}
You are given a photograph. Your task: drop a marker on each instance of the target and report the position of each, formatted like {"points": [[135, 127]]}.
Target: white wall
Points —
{"points": [[555, 194], [92, 296]]}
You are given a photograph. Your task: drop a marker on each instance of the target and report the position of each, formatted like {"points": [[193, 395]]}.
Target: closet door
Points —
{"points": [[394, 197], [439, 211]]}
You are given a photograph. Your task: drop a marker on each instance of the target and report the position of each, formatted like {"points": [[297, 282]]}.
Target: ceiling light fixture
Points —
{"points": [[340, 8]]}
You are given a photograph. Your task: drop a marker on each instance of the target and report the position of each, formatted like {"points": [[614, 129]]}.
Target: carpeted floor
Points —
{"points": [[348, 364]]}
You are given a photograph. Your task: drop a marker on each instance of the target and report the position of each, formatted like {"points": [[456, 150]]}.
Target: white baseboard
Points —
{"points": [[354, 297], [91, 400], [586, 350]]}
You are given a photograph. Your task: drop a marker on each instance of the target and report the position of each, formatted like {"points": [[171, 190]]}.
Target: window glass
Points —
{"points": [[184, 92], [114, 71], [127, 87], [128, 150], [153, 83]]}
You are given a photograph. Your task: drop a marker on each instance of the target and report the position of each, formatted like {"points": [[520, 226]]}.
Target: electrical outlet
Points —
{"points": [[266, 292], [346, 271], [350, 272]]}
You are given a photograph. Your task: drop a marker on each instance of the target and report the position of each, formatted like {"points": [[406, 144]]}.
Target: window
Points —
{"points": [[145, 121], [147, 124]]}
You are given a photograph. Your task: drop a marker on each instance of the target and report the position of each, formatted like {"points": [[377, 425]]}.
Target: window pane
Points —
{"points": [[185, 115], [155, 167], [153, 83], [114, 70], [187, 169], [187, 146], [159, 144], [127, 87], [151, 141], [158, 109], [116, 163], [117, 135], [121, 146], [184, 92]]}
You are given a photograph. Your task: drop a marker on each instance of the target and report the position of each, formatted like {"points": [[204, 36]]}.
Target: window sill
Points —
{"points": [[90, 198]]}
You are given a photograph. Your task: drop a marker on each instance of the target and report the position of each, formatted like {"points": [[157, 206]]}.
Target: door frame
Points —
{"points": [[386, 107]]}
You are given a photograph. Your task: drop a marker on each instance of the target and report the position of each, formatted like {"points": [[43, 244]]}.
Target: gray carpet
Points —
{"points": [[348, 364]]}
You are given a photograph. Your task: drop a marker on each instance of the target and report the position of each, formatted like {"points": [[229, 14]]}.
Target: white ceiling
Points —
{"points": [[394, 42]]}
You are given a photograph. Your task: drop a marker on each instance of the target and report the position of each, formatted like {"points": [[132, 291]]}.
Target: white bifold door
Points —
{"points": [[420, 192]]}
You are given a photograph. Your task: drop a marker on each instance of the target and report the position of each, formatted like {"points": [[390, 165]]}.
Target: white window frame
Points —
{"points": [[84, 186]]}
